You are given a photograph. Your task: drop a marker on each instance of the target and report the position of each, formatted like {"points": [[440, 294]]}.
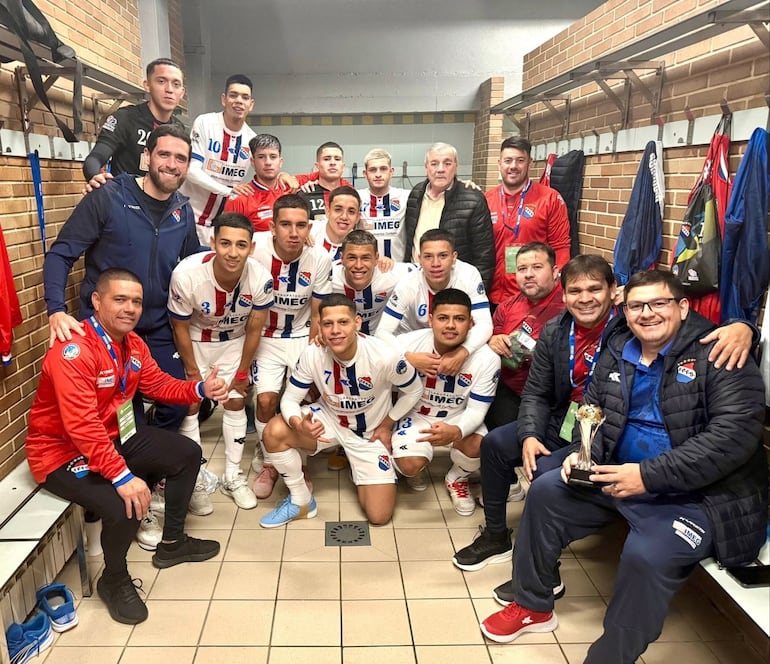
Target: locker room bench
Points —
{"points": [[38, 534]]}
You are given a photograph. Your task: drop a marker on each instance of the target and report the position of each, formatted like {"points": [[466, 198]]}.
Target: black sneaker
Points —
{"points": [[122, 600], [504, 593], [485, 549], [187, 550]]}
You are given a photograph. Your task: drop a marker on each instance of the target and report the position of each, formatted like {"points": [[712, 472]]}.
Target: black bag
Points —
{"points": [[698, 251], [29, 24]]}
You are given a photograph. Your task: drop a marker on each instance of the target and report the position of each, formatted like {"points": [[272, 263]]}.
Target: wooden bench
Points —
{"points": [[38, 534], [753, 604]]}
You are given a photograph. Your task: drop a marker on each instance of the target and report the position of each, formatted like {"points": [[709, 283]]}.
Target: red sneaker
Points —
{"points": [[514, 620]]}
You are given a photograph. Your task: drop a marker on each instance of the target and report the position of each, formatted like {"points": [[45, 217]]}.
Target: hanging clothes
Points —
{"points": [[745, 256], [10, 312], [641, 233]]}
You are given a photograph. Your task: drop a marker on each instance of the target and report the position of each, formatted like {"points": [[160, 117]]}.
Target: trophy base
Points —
{"points": [[579, 477]]}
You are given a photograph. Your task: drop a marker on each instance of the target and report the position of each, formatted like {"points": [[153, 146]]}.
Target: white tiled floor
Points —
{"points": [[283, 597]]}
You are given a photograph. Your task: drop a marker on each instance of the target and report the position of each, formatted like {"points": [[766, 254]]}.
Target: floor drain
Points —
{"points": [[347, 533]]}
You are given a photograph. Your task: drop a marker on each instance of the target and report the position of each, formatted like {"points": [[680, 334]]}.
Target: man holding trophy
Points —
{"points": [[674, 449]]}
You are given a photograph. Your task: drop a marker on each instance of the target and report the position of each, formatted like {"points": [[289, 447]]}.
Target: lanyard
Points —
{"points": [[504, 207], [593, 362], [122, 379]]}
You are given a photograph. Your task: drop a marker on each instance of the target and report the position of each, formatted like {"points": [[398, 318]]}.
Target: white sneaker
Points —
{"points": [[418, 482], [516, 494], [239, 491], [200, 503], [150, 533], [462, 500], [158, 499], [259, 459]]}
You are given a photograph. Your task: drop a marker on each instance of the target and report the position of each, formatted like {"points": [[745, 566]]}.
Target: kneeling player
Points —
{"points": [[451, 410], [355, 375]]}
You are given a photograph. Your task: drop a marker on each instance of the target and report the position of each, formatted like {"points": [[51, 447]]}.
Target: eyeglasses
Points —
{"points": [[655, 305]]}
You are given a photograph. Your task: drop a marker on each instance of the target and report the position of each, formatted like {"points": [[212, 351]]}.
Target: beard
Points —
{"points": [[162, 185]]}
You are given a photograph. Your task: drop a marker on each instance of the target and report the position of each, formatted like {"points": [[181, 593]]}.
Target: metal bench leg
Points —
{"points": [[85, 577]]}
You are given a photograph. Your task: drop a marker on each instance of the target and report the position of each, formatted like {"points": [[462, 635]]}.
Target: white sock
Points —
{"points": [[260, 436], [190, 428], [289, 464], [234, 434], [462, 466]]}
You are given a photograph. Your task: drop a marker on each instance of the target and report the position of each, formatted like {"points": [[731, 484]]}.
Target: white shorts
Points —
{"points": [[370, 461], [405, 443], [275, 360], [223, 354]]}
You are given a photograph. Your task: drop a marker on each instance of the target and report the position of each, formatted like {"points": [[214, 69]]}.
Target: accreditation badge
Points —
{"points": [[126, 421], [511, 251]]}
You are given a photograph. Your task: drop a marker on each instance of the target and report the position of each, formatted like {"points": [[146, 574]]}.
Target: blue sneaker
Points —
{"points": [[287, 511], [58, 603], [30, 639]]}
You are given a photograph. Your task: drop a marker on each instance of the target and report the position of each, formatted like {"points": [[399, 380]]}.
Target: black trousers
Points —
{"points": [[150, 454], [168, 416], [500, 455]]}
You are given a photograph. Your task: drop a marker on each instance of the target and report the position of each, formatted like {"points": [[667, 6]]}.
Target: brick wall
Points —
{"points": [[733, 66], [105, 33], [487, 134]]}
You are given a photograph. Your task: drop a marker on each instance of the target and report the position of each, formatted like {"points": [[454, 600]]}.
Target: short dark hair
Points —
{"points": [[587, 265], [172, 130], [238, 79], [344, 191], [437, 235], [360, 239], [539, 246], [289, 201], [232, 220], [261, 141], [451, 296], [114, 274], [651, 277], [159, 62], [328, 144], [517, 143], [337, 300]]}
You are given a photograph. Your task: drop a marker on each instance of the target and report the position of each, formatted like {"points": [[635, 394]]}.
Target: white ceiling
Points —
{"points": [[368, 55]]}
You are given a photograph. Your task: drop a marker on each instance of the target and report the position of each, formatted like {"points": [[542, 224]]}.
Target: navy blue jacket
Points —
{"points": [[112, 229], [714, 420]]}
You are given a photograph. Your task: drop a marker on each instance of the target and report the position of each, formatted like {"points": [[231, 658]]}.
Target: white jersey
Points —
{"points": [[293, 285], [356, 394], [321, 241], [220, 160], [370, 301], [463, 399], [412, 301], [214, 313], [383, 217]]}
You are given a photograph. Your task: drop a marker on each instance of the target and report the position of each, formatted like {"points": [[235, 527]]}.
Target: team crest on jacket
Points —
{"points": [[70, 352], [464, 379], [177, 215], [304, 278], [136, 364], [685, 371]]}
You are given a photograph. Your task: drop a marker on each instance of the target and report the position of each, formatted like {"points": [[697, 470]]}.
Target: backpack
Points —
{"points": [[29, 24]]}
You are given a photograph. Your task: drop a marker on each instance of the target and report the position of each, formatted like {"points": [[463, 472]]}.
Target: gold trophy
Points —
{"points": [[590, 417]]}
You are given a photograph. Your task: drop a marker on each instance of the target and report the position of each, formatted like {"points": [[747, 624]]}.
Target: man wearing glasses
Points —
{"points": [[678, 457]]}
